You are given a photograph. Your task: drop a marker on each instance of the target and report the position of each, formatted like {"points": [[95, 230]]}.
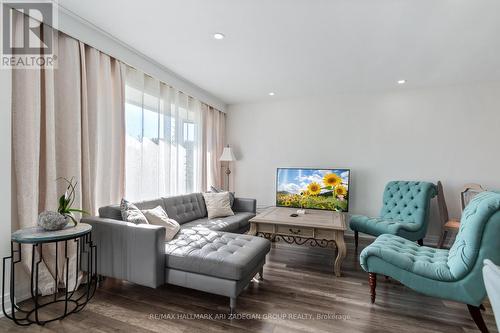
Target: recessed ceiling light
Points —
{"points": [[271, 94], [218, 35], [401, 81]]}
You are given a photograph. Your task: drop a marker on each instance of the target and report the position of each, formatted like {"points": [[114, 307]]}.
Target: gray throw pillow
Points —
{"points": [[130, 213], [218, 204], [214, 189]]}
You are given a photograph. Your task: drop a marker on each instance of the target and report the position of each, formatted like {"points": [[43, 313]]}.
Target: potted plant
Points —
{"points": [[50, 220]]}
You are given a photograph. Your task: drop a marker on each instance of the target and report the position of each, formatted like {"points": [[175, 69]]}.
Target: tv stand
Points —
{"points": [[317, 228]]}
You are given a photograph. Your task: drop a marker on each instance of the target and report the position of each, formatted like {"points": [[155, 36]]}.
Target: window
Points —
{"points": [[162, 141], [189, 130]]}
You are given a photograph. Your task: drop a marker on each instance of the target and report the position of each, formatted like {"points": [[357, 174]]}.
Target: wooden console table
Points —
{"points": [[316, 228]]}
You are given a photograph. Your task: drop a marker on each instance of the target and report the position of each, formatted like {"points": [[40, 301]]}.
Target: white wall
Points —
{"points": [[5, 166], [450, 134]]}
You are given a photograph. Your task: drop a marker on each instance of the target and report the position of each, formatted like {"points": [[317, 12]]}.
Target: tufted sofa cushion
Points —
{"points": [[467, 244], [185, 208], [220, 254], [422, 260], [233, 223]]}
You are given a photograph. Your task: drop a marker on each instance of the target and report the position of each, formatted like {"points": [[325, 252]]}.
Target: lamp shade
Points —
{"points": [[227, 155]]}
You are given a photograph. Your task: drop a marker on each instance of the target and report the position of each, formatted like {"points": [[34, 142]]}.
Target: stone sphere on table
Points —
{"points": [[51, 221]]}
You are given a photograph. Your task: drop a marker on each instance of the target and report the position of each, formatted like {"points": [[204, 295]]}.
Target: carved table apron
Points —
{"points": [[316, 228]]}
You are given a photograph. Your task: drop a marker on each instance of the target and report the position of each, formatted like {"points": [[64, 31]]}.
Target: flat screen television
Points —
{"points": [[326, 189]]}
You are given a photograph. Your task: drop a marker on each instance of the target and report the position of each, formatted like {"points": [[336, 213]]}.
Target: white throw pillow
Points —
{"points": [[218, 204], [130, 213], [158, 216], [214, 189]]}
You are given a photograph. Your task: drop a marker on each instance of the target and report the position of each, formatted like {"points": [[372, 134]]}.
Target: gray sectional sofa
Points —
{"points": [[209, 255]]}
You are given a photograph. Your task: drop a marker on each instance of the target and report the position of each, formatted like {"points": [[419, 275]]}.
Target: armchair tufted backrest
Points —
{"points": [[408, 201], [482, 210]]}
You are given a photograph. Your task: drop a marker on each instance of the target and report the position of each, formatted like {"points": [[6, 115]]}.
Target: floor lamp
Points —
{"points": [[227, 156]]}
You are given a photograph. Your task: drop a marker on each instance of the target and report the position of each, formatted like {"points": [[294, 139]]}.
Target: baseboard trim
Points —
{"points": [[7, 305]]}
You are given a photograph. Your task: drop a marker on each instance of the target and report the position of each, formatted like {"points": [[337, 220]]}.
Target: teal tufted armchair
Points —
{"points": [[454, 274], [405, 212]]}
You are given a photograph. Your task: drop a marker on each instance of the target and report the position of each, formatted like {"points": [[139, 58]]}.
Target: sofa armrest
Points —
{"points": [[128, 251], [245, 205]]}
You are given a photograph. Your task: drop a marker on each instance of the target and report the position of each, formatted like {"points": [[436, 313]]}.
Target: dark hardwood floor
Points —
{"points": [[299, 294]]}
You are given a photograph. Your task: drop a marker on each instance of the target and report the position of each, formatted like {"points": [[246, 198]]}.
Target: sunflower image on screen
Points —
{"points": [[326, 189]]}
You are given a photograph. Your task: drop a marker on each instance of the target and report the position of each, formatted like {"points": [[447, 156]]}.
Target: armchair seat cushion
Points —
{"points": [[378, 225], [408, 256]]}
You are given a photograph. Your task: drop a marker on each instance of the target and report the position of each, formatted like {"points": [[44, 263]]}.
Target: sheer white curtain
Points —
{"points": [[163, 141]]}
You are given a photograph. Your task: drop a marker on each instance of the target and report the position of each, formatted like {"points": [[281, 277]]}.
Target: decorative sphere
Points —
{"points": [[49, 220]]}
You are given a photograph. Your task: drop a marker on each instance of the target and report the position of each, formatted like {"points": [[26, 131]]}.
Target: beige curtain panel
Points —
{"points": [[214, 123], [67, 122]]}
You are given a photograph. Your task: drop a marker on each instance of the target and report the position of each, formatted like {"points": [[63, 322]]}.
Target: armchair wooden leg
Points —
{"points": [[356, 237], [442, 239], [372, 281], [475, 313], [420, 242]]}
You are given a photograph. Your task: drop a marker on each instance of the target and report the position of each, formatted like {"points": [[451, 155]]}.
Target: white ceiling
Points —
{"points": [[302, 48]]}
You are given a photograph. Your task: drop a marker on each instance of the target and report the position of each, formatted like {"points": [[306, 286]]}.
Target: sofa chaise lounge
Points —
{"points": [[208, 255]]}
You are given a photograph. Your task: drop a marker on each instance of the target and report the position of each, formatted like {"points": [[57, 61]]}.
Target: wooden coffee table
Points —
{"points": [[317, 228]]}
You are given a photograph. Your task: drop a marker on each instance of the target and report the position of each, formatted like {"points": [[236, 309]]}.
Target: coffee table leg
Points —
{"points": [[253, 229], [341, 252]]}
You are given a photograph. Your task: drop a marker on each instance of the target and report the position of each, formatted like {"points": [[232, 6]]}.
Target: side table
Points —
{"points": [[72, 300]]}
